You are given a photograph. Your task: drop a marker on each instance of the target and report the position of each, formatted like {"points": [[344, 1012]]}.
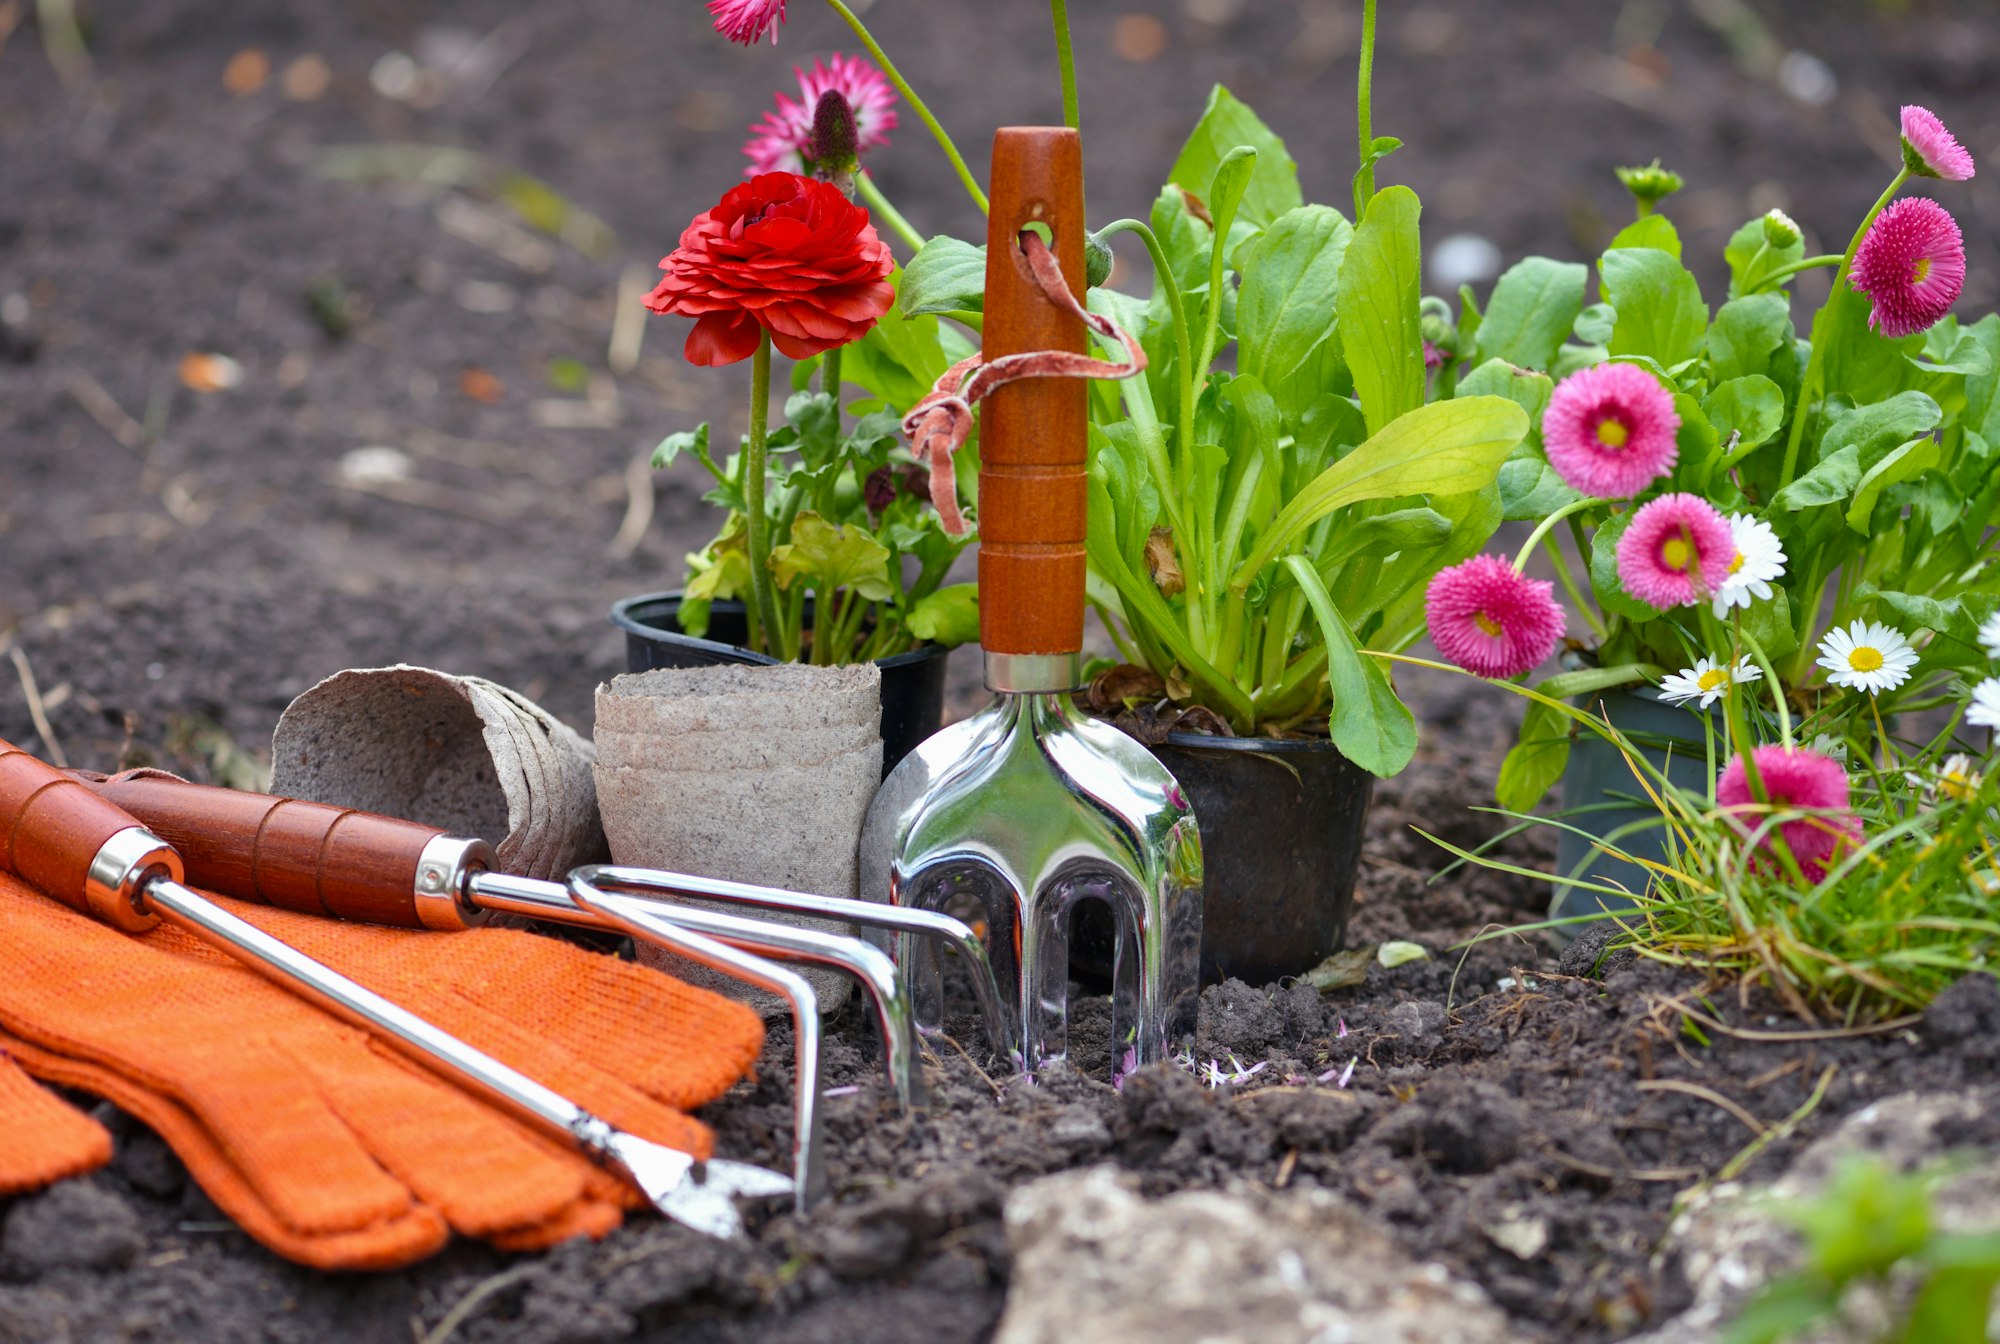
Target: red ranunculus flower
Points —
{"points": [[781, 252]]}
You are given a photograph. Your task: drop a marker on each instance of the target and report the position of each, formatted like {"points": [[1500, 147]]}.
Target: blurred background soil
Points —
{"points": [[427, 452]]}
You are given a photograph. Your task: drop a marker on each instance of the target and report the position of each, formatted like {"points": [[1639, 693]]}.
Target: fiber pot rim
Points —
{"points": [[622, 617]]}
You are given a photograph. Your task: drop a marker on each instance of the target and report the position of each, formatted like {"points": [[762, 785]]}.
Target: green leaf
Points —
{"points": [[949, 616], [1387, 534], [1949, 348], [1531, 489], [1660, 309], [1653, 230], [841, 557], [1831, 480], [1285, 337], [1769, 622], [1535, 762], [1874, 430], [1533, 309], [1952, 1307], [1782, 1311], [1747, 246], [1225, 124], [1399, 952], [1982, 406], [1747, 332], [1446, 448], [1381, 284], [947, 275], [1369, 725], [1750, 406], [1905, 463], [1497, 378], [687, 441], [1858, 363], [1604, 580], [1595, 324]]}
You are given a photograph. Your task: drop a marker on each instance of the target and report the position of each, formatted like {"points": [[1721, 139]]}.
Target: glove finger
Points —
{"points": [[201, 1036], [484, 1171], [681, 1045], [43, 1139], [410, 1235], [593, 1218]]}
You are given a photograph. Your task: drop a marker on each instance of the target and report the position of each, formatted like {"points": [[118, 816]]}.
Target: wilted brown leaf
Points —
{"points": [[1161, 562]]}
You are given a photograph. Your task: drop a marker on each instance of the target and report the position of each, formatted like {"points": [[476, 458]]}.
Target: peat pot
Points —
{"points": [[1600, 794], [912, 683], [1281, 824]]}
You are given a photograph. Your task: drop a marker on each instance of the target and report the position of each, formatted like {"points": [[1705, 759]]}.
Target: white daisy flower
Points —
{"points": [[1955, 779], [1707, 681], [1985, 711], [1760, 560], [1867, 656], [1989, 635]]}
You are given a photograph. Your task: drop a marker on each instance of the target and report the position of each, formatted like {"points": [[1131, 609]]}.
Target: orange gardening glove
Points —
{"points": [[42, 1137], [324, 1144]]}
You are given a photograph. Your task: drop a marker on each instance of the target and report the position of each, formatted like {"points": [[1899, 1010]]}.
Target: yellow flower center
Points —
{"points": [[1737, 563], [1959, 786], [1486, 623], [1921, 271], [1712, 678], [1677, 552], [1612, 433], [1865, 659]]}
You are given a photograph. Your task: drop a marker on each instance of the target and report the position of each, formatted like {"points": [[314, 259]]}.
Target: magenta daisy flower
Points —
{"points": [[1676, 551], [1491, 620], [1912, 264], [782, 141], [1610, 430], [747, 21], [1801, 779], [1929, 150]]}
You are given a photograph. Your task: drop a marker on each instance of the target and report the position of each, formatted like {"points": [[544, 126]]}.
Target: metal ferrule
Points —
{"points": [[443, 882], [115, 884], [1033, 673]]}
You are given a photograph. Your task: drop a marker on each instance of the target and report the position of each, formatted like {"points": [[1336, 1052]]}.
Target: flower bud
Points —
{"points": [[1651, 183], [878, 492], [836, 140], [1781, 231], [1097, 259]]}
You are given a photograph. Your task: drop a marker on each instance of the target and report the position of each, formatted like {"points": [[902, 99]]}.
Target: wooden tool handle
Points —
{"points": [[52, 827], [1033, 433], [309, 857]]}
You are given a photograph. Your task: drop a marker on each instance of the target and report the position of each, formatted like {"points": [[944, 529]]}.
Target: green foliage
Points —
{"points": [[1380, 286], [1873, 1225], [1533, 308], [1227, 124]]}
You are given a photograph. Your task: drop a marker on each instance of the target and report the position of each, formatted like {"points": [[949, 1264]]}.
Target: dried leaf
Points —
{"points": [[1340, 970], [1122, 687], [1162, 564]]}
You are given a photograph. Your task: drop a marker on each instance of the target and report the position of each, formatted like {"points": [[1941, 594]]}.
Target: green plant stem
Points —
{"points": [[1576, 597], [1364, 181], [916, 104], [829, 378], [759, 539], [1815, 373], [1765, 281], [1059, 13], [879, 206], [1542, 528]]}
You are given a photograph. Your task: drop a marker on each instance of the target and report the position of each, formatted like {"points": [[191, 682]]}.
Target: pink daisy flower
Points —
{"points": [[747, 21], [781, 142], [1795, 778], [1930, 150], [1491, 620], [1677, 551], [1610, 430], [1912, 264]]}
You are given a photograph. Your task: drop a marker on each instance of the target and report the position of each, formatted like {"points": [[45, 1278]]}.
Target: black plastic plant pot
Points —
{"points": [[1282, 821], [1601, 795], [912, 683]]}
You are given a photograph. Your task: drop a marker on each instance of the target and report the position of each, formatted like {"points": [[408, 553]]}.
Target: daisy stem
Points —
{"points": [[1770, 675], [1576, 596], [1766, 280], [888, 68], [759, 539], [1059, 13], [879, 206], [1364, 180], [1542, 528], [1829, 314]]}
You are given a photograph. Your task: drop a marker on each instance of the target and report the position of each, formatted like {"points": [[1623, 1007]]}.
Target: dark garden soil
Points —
{"points": [[176, 566]]}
